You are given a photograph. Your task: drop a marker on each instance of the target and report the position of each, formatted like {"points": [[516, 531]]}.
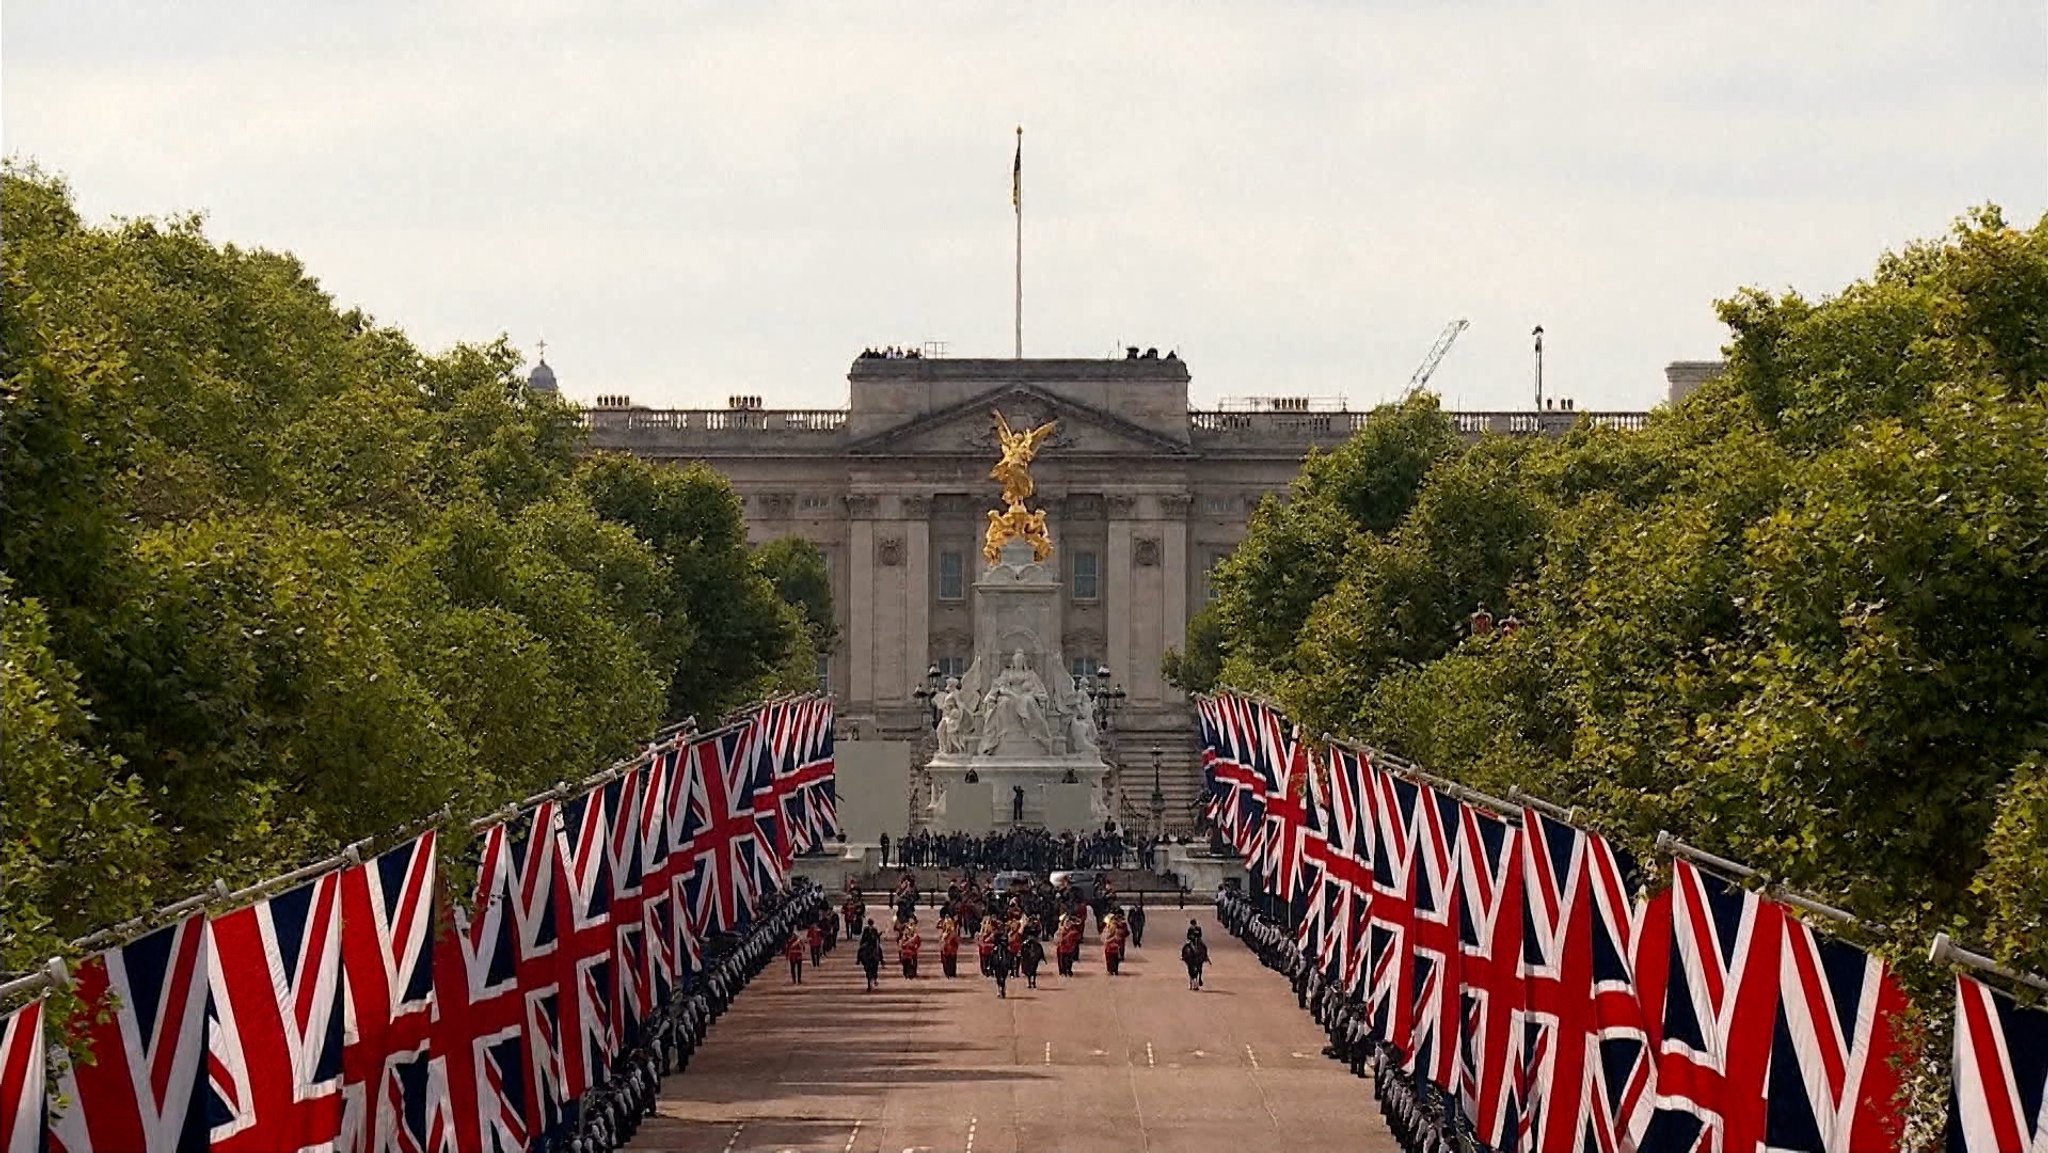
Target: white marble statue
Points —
{"points": [[954, 722], [1081, 731], [1015, 704]]}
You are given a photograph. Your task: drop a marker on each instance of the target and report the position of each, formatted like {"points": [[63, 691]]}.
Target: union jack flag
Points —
{"points": [[274, 1029], [1720, 1000], [479, 1038], [143, 1011], [722, 835], [1489, 973], [1240, 804], [768, 791], [654, 975], [1434, 947], [387, 965], [1557, 1027], [583, 897], [681, 940], [1311, 900], [23, 1094], [532, 845], [1282, 765], [1832, 1084], [801, 734], [1998, 1099], [1389, 1003], [626, 804], [1350, 868]]}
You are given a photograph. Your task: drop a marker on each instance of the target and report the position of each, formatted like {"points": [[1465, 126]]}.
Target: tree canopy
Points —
{"points": [[1799, 620], [274, 579]]}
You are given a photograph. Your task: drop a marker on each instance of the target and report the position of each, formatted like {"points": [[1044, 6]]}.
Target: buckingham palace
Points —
{"points": [[1143, 496]]}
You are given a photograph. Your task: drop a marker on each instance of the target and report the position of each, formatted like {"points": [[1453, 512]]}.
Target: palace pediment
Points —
{"points": [[966, 429]]}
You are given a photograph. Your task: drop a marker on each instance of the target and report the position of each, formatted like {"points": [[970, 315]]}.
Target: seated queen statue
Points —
{"points": [[1016, 704]]}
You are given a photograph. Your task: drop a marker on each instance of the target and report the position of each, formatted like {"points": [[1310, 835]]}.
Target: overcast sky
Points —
{"points": [[694, 200]]}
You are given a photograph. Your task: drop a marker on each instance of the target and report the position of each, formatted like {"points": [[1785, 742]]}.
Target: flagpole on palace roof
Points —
{"points": [[1017, 202]]}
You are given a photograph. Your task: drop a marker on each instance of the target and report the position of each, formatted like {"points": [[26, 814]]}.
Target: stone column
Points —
{"points": [[1118, 570], [917, 581], [860, 632], [1174, 550]]}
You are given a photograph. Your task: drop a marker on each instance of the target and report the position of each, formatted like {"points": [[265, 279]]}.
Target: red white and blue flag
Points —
{"points": [[1389, 999], [1433, 1043], [532, 847], [23, 1092], [1310, 899], [1999, 1098], [1282, 766], [1349, 869], [1557, 1027], [387, 963], [1720, 1003], [478, 1034], [720, 830], [143, 1011], [767, 791], [626, 801], [680, 938], [274, 1034], [1833, 1085], [583, 904], [1240, 790], [1489, 972], [799, 735]]}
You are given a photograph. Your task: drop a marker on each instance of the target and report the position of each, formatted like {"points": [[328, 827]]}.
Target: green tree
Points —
{"points": [[798, 570], [745, 641]]}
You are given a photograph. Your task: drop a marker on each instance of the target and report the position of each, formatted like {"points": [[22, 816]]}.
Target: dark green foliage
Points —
{"points": [[1800, 620], [275, 579]]}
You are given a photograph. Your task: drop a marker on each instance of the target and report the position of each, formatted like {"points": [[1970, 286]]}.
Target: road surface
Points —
{"points": [[1091, 1063]]}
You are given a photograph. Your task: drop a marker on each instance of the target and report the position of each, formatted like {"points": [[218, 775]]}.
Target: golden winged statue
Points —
{"points": [[1013, 472]]}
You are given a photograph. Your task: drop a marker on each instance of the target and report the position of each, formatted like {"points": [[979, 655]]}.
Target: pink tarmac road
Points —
{"points": [[1087, 1064]]}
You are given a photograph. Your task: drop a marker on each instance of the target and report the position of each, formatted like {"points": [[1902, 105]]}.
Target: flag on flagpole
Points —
{"points": [[1017, 175]]}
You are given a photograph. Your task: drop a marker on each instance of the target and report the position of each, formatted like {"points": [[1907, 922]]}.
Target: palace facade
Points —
{"points": [[1143, 496]]}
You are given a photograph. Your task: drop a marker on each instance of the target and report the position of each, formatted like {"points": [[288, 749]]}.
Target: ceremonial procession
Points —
{"points": [[555, 598]]}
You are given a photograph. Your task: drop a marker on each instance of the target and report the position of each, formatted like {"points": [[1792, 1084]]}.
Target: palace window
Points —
{"points": [[1084, 575], [952, 576], [1216, 559], [953, 665], [1083, 667]]}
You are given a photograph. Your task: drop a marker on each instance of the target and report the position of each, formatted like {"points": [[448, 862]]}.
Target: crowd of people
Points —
{"points": [[1011, 930], [892, 352], [1028, 850], [1417, 1114]]}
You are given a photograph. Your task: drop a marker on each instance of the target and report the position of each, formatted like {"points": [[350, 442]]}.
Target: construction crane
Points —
{"points": [[1427, 368]]}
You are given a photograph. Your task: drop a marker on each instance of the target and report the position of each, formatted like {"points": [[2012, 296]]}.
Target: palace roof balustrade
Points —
{"points": [[686, 432]]}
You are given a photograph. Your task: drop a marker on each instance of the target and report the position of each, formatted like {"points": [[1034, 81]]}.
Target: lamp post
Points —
{"points": [[1158, 799], [927, 694], [1105, 700]]}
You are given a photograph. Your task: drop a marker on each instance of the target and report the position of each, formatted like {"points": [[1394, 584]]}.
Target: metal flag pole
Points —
{"points": [[1666, 843], [51, 976], [1017, 202], [1947, 950]]}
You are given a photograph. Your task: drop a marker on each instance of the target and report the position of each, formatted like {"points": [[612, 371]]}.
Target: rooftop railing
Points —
{"points": [[796, 420], [1206, 424]]}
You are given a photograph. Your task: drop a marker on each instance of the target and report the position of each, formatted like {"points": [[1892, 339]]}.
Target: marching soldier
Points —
{"points": [[909, 943], [949, 946], [795, 952]]}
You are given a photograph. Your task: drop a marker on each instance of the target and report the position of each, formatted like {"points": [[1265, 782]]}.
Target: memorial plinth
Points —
{"points": [[1016, 738]]}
